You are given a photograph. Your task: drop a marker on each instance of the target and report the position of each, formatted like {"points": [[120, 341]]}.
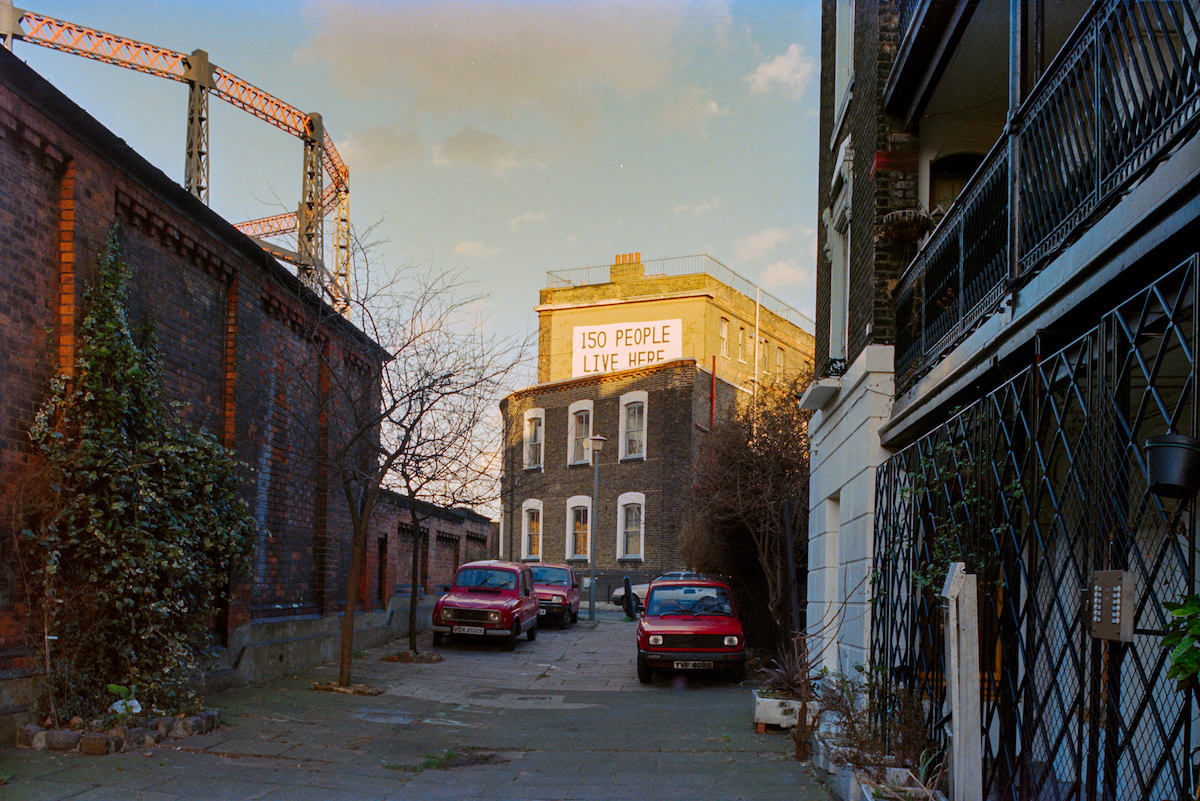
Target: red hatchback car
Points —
{"points": [[690, 624], [488, 599], [557, 590]]}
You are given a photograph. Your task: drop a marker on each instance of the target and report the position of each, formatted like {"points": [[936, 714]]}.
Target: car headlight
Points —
{"points": [[731, 639], [655, 639], [494, 617], [445, 613], [558, 599]]}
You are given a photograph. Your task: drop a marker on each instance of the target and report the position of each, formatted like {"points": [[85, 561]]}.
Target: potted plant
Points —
{"points": [[880, 735], [789, 689], [1173, 462], [790, 696]]}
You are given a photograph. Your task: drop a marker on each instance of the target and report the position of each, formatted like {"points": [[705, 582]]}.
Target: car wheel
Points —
{"points": [[566, 618], [510, 642], [738, 674], [637, 603], [437, 638], [645, 672], [532, 633]]}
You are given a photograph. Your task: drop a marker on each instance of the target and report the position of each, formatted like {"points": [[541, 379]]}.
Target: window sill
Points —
{"points": [[582, 560], [529, 468], [531, 558], [640, 458], [579, 464], [624, 559]]}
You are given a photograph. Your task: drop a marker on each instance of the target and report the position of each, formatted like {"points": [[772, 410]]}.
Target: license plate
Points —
{"points": [[468, 630], [693, 665], [541, 611]]}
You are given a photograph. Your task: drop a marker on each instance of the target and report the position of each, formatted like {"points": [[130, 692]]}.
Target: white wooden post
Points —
{"points": [[961, 626]]}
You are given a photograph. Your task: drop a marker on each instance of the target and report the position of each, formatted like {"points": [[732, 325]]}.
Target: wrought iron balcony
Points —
{"points": [[1120, 95]]}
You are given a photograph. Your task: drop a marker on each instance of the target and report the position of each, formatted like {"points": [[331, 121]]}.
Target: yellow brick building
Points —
{"points": [[632, 314], [646, 355]]}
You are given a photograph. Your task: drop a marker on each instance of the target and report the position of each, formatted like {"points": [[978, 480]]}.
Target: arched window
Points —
{"points": [[579, 527], [531, 529], [631, 525]]}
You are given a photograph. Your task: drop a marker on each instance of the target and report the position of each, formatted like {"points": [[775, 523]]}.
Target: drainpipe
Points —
{"points": [[1018, 10], [712, 396], [757, 298]]}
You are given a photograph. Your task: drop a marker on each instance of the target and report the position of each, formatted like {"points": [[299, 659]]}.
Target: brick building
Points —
{"points": [[1007, 275], [235, 329], [648, 356]]}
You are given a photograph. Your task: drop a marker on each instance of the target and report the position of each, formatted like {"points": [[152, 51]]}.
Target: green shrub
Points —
{"points": [[142, 529]]}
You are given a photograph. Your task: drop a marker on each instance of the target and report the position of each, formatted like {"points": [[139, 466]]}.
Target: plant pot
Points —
{"points": [[782, 712], [1174, 465], [825, 747], [898, 783]]}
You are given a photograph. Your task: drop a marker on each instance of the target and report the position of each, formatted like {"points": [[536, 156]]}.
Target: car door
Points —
{"points": [[528, 603], [572, 589]]}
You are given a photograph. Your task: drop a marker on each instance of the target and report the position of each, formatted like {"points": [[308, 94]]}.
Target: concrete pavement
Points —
{"points": [[561, 718]]}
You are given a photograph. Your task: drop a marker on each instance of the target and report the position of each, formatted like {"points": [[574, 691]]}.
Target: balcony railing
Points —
{"points": [[1120, 95]]}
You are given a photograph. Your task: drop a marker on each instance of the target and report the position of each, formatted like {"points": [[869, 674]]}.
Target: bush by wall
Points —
{"points": [[142, 526]]}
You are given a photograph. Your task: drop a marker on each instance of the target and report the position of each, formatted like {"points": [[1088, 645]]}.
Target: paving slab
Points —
{"points": [[563, 718]]}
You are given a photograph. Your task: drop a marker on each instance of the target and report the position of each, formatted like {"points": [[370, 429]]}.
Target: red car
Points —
{"points": [[690, 624], [557, 590], [488, 599]]}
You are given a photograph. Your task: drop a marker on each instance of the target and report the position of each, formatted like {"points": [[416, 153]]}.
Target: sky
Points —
{"points": [[499, 140]]}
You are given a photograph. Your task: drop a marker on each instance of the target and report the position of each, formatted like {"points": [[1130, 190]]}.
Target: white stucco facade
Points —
{"points": [[844, 434]]}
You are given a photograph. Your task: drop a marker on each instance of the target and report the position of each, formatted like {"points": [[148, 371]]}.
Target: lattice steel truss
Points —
{"points": [[1039, 483]]}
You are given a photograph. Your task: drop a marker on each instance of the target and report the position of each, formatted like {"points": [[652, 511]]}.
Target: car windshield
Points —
{"points": [[550, 575], [486, 578], [683, 600]]}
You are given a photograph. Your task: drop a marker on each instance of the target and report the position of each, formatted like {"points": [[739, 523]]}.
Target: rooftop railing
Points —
{"points": [[695, 264], [1122, 93]]}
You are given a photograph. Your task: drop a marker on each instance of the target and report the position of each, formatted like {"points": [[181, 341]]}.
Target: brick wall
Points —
{"points": [[678, 404], [450, 538], [230, 322], [884, 179]]}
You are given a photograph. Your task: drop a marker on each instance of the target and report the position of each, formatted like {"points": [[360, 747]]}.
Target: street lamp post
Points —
{"points": [[597, 443]]}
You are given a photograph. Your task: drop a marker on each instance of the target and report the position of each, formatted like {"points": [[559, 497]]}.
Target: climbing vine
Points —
{"points": [[958, 515], [142, 527]]}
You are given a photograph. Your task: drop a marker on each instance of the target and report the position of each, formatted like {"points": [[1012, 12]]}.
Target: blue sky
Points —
{"points": [[500, 139]]}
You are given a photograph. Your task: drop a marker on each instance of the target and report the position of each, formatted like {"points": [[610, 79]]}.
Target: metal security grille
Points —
{"points": [[1037, 485]]}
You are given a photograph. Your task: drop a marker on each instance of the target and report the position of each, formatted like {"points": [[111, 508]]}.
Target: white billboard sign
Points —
{"points": [[624, 346]]}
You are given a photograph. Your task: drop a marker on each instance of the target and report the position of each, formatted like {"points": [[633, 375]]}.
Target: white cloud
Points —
{"points": [[382, 147], [789, 73], [690, 115], [700, 209], [785, 273], [761, 244], [527, 217], [473, 250], [453, 56], [472, 147]]}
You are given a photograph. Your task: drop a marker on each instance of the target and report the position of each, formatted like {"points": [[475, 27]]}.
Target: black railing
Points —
{"points": [[959, 275], [1037, 485], [908, 11], [1118, 97]]}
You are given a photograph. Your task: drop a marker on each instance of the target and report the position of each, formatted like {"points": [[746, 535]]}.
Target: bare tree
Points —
{"points": [[751, 492], [418, 419]]}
